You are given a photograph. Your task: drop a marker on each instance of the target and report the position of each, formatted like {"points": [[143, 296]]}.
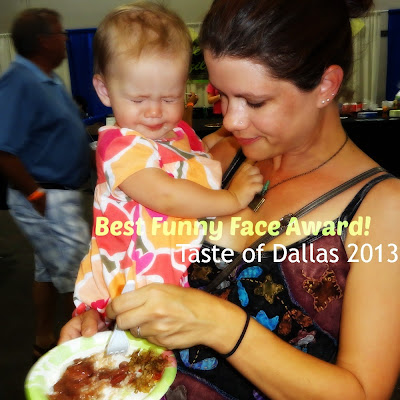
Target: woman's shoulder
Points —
{"points": [[380, 191], [382, 206], [384, 193]]}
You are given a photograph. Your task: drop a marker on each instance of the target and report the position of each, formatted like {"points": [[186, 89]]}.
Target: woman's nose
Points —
{"points": [[235, 119]]}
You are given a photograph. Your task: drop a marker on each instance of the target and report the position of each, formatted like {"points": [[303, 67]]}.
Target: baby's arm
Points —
{"points": [[155, 189]]}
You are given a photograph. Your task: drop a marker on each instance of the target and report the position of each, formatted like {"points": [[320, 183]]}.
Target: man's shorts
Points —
{"points": [[60, 239]]}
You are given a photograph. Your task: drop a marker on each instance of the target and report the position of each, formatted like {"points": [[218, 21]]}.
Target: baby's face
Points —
{"points": [[147, 94]]}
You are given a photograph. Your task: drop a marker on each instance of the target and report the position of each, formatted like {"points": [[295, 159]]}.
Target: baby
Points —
{"points": [[153, 172]]}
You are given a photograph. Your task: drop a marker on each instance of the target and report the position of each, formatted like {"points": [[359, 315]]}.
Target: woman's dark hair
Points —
{"points": [[28, 26], [295, 40]]}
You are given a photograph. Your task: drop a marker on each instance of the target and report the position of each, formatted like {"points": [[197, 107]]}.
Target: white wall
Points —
{"points": [[386, 4], [8, 9], [88, 13]]}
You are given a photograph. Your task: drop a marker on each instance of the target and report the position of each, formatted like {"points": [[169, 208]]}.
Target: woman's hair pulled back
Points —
{"points": [[295, 40]]}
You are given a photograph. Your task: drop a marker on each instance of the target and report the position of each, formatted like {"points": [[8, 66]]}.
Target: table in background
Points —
{"points": [[378, 138]]}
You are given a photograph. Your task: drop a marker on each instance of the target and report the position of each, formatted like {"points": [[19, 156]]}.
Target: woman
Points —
{"points": [[321, 326], [214, 98]]}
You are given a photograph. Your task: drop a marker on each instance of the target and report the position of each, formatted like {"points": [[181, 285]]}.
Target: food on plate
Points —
{"points": [[103, 377]]}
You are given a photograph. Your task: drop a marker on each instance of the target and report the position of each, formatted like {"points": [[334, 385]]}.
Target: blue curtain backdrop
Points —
{"points": [[80, 60], [393, 62]]}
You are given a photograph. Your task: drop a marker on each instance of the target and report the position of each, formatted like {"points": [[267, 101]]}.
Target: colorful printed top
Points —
{"points": [[217, 108], [297, 298], [132, 242]]}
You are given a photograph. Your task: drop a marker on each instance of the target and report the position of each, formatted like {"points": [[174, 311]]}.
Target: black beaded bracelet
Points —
{"points": [[240, 338]]}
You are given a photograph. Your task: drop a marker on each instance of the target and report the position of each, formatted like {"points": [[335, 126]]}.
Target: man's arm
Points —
{"points": [[16, 174]]}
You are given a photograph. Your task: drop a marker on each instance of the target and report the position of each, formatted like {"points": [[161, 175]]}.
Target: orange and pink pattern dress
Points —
{"points": [[132, 242]]}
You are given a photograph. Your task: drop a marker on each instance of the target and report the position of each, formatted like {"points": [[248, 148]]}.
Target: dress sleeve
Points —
{"points": [[122, 153], [91, 290]]}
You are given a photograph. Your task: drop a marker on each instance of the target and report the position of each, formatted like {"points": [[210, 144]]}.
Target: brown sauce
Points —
{"points": [[82, 381]]}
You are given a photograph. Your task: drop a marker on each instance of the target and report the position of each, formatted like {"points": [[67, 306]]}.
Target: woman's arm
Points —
{"points": [[213, 99], [368, 362], [155, 189], [188, 111], [224, 151], [214, 138], [179, 318]]}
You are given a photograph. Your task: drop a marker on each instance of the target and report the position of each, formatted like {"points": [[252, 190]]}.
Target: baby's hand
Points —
{"points": [[245, 184], [86, 324]]}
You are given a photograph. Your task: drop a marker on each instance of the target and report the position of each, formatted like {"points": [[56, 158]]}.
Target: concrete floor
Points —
{"points": [[16, 335]]}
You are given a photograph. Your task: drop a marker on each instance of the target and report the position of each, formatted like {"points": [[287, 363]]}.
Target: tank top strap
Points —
{"points": [[233, 167], [353, 206]]}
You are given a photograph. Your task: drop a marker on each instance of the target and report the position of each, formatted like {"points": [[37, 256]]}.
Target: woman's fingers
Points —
{"points": [[133, 309], [167, 315], [160, 310], [126, 302], [152, 303]]}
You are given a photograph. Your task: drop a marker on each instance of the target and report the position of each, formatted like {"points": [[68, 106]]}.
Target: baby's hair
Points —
{"points": [[140, 28]]}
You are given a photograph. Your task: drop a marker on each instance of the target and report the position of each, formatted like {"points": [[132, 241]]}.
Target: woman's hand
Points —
{"points": [[86, 324], [176, 317], [193, 98]]}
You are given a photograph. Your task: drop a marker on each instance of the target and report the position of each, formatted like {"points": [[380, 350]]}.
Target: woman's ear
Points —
{"points": [[101, 89], [330, 85]]}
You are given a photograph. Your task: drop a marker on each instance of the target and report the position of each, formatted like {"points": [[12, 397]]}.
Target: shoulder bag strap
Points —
{"points": [[286, 219]]}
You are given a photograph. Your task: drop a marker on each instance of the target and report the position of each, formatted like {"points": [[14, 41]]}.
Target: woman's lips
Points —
{"points": [[246, 141]]}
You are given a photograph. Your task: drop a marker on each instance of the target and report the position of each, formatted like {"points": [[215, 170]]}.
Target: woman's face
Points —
{"points": [[267, 116]]}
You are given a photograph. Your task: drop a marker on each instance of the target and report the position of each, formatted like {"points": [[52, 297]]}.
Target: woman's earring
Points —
{"points": [[323, 101]]}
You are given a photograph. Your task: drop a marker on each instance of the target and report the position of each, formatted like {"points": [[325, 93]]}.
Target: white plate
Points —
{"points": [[50, 367]]}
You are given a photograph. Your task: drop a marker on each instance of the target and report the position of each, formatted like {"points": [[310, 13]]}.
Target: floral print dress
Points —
{"points": [[130, 241]]}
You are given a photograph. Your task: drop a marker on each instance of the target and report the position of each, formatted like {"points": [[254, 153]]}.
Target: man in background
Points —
{"points": [[44, 155]]}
